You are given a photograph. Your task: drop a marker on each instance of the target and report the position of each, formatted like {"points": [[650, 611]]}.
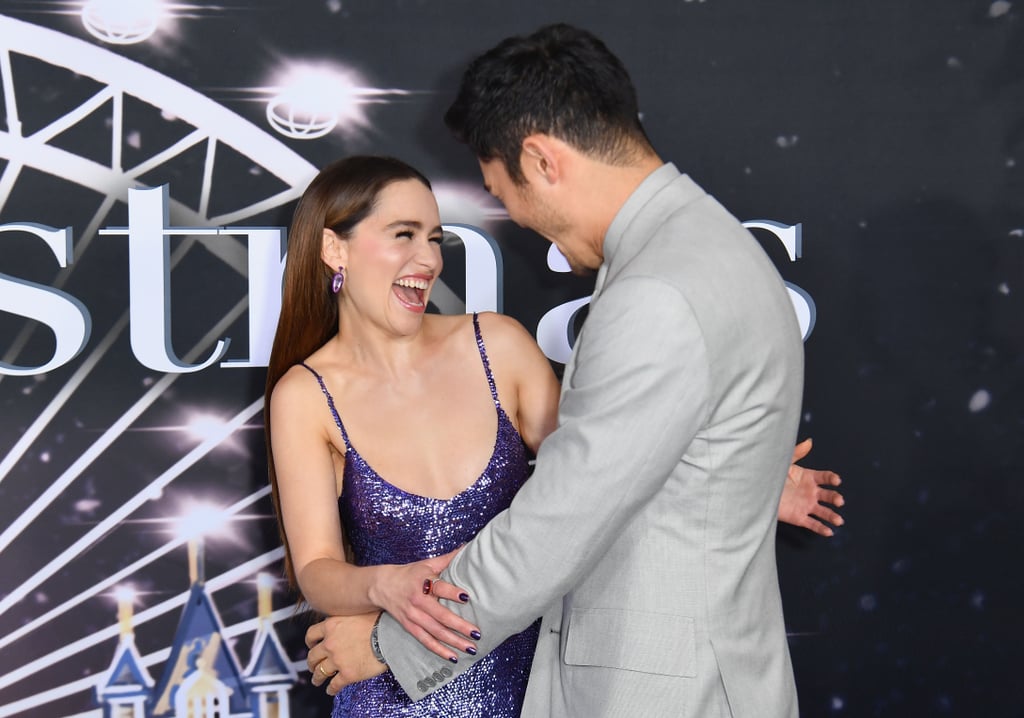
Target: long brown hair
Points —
{"points": [[340, 197]]}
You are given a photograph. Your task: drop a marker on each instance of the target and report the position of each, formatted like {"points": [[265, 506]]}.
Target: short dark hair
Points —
{"points": [[560, 81]]}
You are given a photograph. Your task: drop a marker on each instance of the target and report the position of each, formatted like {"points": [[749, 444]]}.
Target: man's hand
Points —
{"points": [[339, 650], [809, 498]]}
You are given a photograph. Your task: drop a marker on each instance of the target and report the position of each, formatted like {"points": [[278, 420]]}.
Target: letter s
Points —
{"points": [[791, 236], [66, 316]]}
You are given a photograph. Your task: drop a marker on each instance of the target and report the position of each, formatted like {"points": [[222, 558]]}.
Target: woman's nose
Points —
{"points": [[428, 254]]}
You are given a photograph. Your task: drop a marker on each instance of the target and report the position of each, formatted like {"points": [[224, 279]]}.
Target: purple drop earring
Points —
{"points": [[338, 281]]}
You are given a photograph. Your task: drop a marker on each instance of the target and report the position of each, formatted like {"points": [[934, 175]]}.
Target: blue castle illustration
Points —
{"points": [[202, 677]]}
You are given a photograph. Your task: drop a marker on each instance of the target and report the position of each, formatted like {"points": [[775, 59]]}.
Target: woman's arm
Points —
{"points": [[304, 462]]}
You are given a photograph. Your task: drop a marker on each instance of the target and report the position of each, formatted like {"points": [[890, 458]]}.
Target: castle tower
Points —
{"points": [[123, 691], [201, 662], [270, 674]]}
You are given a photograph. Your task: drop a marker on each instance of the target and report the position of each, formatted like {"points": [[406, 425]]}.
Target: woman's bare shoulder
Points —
{"points": [[505, 333], [296, 385]]}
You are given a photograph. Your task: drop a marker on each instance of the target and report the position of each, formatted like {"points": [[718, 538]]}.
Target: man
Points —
{"points": [[646, 535]]}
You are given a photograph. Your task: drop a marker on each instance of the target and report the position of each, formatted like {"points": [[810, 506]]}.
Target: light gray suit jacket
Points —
{"points": [[645, 536]]}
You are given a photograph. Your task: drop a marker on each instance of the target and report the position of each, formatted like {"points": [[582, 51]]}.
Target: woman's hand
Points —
{"points": [[809, 498], [410, 593]]}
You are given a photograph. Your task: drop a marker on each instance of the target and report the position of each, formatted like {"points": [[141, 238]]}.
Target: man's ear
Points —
{"points": [[333, 250], [540, 158]]}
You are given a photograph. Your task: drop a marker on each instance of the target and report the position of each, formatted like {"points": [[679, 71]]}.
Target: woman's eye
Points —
{"points": [[437, 239], [405, 234]]}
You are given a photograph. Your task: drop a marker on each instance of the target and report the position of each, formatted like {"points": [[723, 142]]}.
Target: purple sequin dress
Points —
{"points": [[385, 524]]}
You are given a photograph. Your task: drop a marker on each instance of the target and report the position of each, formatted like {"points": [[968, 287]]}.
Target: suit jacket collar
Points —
{"points": [[662, 192], [625, 237]]}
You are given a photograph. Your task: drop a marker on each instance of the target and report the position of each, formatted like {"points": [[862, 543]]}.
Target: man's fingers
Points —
{"points": [[828, 515], [313, 658], [315, 634], [830, 497], [821, 529], [337, 683], [321, 672], [825, 478]]}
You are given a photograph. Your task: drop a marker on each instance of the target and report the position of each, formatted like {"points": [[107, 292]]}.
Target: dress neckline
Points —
{"points": [[351, 451], [502, 416]]}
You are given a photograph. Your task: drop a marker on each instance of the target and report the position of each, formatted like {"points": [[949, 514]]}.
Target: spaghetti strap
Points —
{"points": [[330, 403], [483, 358]]}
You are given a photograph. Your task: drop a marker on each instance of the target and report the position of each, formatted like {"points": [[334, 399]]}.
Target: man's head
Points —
{"points": [[560, 81]]}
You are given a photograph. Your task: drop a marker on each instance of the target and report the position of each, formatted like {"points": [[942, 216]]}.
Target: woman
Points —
{"points": [[441, 408], [418, 422]]}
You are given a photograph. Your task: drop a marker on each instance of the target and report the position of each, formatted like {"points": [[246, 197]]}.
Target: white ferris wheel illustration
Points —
{"points": [[87, 536]]}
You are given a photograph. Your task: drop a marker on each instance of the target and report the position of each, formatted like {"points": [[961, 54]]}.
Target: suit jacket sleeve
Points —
{"points": [[637, 397]]}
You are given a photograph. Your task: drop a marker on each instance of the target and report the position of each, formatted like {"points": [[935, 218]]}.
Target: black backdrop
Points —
{"points": [[893, 133]]}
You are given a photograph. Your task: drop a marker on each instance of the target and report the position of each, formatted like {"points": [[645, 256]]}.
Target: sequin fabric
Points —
{"points": [[385, 524]]}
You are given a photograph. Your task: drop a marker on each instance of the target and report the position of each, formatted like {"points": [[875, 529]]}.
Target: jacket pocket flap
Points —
{"points": [[657, 643]]}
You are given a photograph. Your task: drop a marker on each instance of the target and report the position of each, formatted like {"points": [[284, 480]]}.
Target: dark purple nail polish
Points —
{"points": [[463, 597], [453, 659], [475, 635], [470, 650]]}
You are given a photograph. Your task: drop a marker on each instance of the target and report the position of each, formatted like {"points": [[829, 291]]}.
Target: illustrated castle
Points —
{"points": [[202, 677]]}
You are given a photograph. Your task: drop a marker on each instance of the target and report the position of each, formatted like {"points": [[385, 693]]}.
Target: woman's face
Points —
{"points": [[393, 257]]}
